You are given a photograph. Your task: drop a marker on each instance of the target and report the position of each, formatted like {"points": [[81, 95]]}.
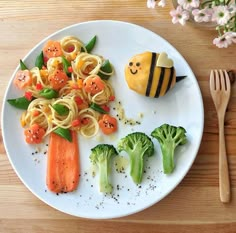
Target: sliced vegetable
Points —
{"points": [[22, 65], [48, 93], [39, 61], [66, 66], [21, 102], [93, 85], [23, 79], [52, 49], [90, 45], [108, 124], [64, 133], [58, 79], [106, 69], [97, 108], [34, 134], [61, 109], [62, 164]]}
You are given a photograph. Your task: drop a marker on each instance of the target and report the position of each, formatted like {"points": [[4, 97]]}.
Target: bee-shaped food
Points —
{"points": [[150, 74]]}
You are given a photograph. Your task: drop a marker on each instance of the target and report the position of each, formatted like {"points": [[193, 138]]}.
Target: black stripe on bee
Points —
{"points": [[170, 79], [151, 73], [162, 76]]}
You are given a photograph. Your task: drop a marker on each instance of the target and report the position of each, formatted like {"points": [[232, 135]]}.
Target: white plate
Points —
{"points": [[117, 41]]}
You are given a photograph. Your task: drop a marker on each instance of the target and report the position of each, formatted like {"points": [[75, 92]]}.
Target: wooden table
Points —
{"points": [[194, 206]]}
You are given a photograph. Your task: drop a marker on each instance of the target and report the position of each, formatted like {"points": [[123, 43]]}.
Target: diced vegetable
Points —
{"points": [[62, 164], [97, 108]]}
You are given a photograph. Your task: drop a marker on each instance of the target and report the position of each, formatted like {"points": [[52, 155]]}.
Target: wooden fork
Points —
{"points": [[220, 89]]}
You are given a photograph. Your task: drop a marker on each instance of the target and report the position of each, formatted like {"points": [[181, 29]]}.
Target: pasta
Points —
{"points": [[61, 93]]}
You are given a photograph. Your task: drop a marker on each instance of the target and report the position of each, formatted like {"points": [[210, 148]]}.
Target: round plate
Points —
{"points": [[182, 106]]}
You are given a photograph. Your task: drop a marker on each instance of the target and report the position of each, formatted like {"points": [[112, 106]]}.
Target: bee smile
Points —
{"points": [[133, 72]]}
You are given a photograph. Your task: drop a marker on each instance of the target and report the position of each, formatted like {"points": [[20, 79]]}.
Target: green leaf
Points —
{"points": [[66, 64], [22, 65], [106, 68], [97, 108], [39, 61], [61, 109], [21, 103], [65, 133]]}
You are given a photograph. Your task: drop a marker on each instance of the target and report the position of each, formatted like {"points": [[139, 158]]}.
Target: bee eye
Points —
{"points": [[131, 63], [138, 64]]}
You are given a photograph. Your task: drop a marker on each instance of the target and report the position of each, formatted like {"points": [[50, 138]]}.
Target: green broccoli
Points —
{"points": [[169, 137], [136, 145], [101, 156]]}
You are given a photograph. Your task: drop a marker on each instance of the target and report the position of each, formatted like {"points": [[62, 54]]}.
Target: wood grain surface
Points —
{"points": [[194, 206]]}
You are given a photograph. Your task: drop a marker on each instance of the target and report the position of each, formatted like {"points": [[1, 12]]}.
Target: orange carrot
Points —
{"points": [[62, 164]]}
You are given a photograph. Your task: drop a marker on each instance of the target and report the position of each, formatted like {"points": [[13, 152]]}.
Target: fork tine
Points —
{"points": [[212, 81], [217, 80], [222, 81], [227, 80]]}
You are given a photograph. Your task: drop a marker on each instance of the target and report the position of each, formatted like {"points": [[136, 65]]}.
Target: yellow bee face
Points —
{"points": [[146, 78]]}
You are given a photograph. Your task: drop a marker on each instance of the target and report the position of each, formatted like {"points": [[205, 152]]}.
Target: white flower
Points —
{"points": [[203, 15], [189, 4], [162, 3], [232, 9], [230, 36], [221, 15], [179, 15], [151, 3], [222, 42]]}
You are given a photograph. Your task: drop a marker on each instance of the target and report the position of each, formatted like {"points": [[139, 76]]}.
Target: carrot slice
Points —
{"points": [[62, 164], [108, 124]]}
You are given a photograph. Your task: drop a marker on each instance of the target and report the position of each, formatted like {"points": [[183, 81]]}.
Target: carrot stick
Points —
{"points": [[62, 164]]}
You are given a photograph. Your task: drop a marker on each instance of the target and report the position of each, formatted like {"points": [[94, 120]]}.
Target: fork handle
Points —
{"points": [[224, 183]]}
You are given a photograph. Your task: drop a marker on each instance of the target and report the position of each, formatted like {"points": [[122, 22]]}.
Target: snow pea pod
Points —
{"points": [[65, 133], [105, 68], [66, 65], [62, 110], [21, 103], [97, 108], [39, 60], [22, 65], [90, 45], [48, 93]]}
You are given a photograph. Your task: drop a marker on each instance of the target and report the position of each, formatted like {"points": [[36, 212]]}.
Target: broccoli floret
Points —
{"points": [[136, 145], [101, 156], [169, 137]]}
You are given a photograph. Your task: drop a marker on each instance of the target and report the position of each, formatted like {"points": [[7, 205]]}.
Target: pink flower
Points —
{"points": [[222, 42], [221, 15], [203, 15], [151, 3], [179, 15], [230, 36], [189, 4]]}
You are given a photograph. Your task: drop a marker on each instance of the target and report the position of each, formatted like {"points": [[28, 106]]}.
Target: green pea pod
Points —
{"points": [[21, 103], [22, 65], [106, 68], [61, 109], [90, 45], [66, 64], [97, 108], [48, 93], [65, 133], [39, 61]]}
